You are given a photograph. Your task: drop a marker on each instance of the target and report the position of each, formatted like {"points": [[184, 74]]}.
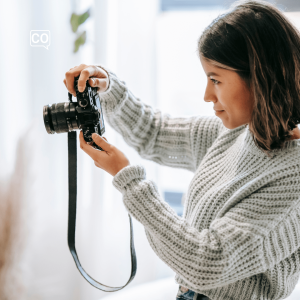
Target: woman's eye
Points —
{"points": [[214, 81]]}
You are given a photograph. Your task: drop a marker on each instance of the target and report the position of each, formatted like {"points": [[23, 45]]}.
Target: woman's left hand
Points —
{"points": [[111, 160]]}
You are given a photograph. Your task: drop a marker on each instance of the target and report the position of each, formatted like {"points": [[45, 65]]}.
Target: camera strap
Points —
{"points": [[72, 159]]}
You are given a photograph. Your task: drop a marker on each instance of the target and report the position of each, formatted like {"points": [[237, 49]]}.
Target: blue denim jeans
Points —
{"points": [[189, 295]]}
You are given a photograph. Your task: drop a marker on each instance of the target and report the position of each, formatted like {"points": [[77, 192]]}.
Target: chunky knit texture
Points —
{"points": [[239, 236]]}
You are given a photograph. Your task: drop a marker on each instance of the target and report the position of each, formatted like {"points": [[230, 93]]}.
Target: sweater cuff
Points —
{"points": [[115, 93], [127, 175]]}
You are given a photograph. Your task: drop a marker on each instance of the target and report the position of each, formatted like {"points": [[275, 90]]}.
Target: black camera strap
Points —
{"points": [[72, 153]]}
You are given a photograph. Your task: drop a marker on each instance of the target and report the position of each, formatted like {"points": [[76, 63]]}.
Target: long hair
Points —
{"points": [[258, 42]]}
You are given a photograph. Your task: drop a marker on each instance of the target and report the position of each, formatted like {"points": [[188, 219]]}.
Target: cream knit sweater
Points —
{"points": [[239, 236]]}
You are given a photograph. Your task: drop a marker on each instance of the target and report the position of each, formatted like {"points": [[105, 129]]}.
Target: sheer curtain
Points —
{"points": [[121, 36]]}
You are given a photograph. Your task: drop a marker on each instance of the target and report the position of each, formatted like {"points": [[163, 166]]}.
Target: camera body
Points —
{"points": [[85, 114]]}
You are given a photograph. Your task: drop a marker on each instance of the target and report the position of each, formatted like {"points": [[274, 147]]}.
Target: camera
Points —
{"points": [[85, 114]]}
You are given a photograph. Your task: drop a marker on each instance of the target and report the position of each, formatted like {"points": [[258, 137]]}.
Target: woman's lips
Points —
{"points": [[218, 111]]}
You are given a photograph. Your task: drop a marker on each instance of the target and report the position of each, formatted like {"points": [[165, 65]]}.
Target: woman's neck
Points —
{"points": [[296, 134]]}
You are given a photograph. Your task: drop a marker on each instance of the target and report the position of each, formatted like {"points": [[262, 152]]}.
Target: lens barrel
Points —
{"points": [[60, 117], [48, 119]]}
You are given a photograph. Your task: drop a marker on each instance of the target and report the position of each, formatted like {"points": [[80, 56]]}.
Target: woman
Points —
{"points": [[239, 237]]}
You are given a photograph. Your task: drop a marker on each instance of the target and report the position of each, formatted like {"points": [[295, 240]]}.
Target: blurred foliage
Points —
{"points": [[76, 21], [79, 41]]}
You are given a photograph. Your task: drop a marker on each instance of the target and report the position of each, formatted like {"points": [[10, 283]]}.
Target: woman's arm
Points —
{"points": [[241, 243], [169, 141]]}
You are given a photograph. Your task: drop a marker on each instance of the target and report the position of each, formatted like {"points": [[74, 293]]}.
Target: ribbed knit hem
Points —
{"points": [[115, 93], [127, 175]]}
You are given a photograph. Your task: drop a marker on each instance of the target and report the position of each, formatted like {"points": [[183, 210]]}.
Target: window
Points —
{"points": [[166, 5], [175, 200]]}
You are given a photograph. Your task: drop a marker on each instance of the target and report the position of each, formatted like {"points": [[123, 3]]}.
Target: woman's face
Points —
{"points": [[229, 93]]}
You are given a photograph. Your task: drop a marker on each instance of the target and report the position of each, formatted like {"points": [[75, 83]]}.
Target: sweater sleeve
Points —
{"points": [[238, 245], [166, 140]]}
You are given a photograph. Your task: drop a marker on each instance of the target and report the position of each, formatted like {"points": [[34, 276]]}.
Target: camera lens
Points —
{"points": [[58, 113], [60, 117], [48, 119]]}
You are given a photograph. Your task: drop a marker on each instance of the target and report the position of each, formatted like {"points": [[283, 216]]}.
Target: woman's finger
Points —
{"points": [[101, 84], [70, 75], [88, 149], [93, 144], [101, 142], [97, 165], [86, 74]]}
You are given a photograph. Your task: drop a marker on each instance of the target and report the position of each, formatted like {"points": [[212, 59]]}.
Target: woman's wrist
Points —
{"points": [[127, 174], [108, 75]]}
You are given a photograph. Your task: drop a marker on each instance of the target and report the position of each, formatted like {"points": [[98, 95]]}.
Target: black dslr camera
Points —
{"points": [[85, 114]]}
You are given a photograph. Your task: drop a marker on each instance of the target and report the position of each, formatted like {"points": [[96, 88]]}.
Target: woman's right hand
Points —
{"points": [[96, 76]]}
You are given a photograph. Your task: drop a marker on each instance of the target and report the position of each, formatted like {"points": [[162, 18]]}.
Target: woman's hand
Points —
{"points": [[96, 76], [111, 160]]}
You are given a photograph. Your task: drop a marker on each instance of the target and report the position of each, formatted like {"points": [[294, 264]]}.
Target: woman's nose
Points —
{"points": [[209, 96]]}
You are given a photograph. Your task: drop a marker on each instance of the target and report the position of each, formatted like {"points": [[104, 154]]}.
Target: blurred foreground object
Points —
{"points": [[15, 193]]}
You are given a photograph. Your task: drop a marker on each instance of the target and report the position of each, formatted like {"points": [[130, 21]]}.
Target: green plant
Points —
{"points": [[76, 21]]}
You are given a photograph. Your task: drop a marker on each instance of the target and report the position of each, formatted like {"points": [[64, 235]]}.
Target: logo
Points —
{"points": [[40, 38]]}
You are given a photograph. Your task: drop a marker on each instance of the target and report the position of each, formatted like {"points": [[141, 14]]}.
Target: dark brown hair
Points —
{"points": [[258, 42]]}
